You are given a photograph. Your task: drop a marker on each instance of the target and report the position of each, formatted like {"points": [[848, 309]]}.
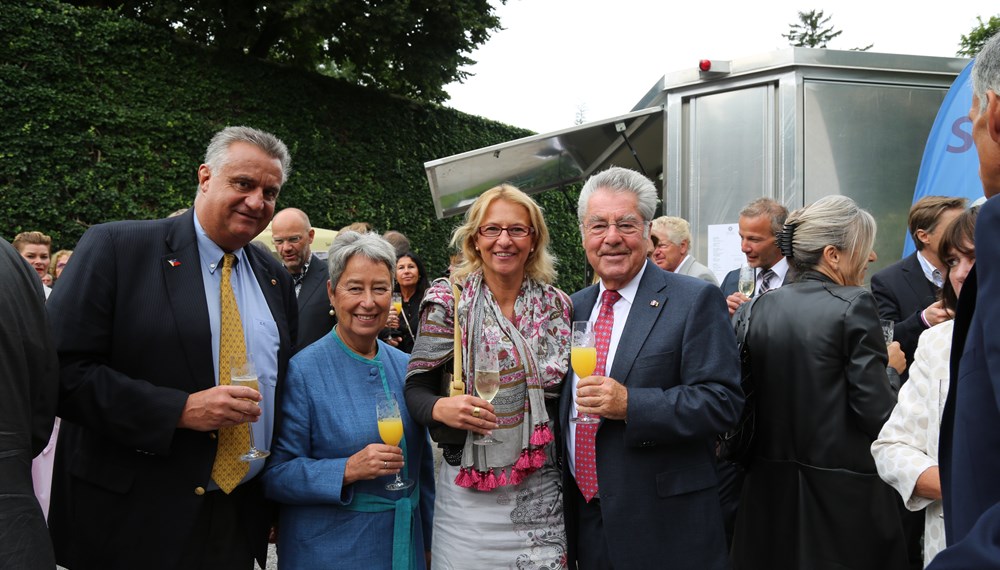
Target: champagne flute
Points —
{"points": [[397, 303], [487, 381], [390, 429], [242, 372], [583, 357], [747, 280]]}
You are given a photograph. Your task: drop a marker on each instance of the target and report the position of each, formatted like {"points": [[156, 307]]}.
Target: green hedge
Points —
{"points": [[105, 118]]}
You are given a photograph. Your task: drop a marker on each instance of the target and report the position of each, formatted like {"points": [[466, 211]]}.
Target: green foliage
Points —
{"points": [[107, 118], [408, 47], [810, 31], [977, 38]]}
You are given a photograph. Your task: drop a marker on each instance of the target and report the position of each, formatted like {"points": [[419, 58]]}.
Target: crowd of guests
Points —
{"points": [[363, 363]]}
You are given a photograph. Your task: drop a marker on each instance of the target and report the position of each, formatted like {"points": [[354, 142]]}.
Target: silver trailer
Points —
{"points": [[794, 125]]}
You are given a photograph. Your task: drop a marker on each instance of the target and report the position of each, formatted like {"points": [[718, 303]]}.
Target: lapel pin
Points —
{"points": [[654, 303], [274, 282], [174, 262]]}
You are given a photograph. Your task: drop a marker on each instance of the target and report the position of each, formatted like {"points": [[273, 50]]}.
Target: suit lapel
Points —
{"points": [[181, 267], [650, 299], [915, 279], [314, 282]]}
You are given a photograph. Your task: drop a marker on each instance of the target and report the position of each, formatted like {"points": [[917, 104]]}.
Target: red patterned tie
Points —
{"points": [[586, 450]]}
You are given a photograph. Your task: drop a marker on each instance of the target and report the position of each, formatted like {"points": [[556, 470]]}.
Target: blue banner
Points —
{"points": [[950, 166]]}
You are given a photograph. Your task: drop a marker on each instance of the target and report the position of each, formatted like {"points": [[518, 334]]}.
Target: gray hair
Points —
{"points": [[767, 207], [217, 152], [677, 229], [831, 220], [370, 245], [986, 71], [619, 181]]}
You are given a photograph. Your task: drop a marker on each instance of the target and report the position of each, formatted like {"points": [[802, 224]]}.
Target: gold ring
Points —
{"points": [[475, 411]]}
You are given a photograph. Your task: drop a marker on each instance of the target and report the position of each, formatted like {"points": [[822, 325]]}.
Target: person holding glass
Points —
{"points": [[812, 497], [500, 505], [330, 467], [411, 284], [906, 451]]}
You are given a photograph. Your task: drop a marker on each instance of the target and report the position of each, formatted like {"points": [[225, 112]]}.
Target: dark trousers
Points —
{"points": [[219, 540], [591, 542]]}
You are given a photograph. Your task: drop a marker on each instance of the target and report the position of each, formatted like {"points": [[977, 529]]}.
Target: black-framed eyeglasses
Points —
{"points": [[290, 239], [516, 231], [625, 228]]}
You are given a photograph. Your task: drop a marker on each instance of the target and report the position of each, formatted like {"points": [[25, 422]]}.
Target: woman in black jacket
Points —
{"points": [[812, 497]]}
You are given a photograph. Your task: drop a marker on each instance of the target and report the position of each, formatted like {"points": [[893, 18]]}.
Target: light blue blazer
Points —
{"points": [[329, 414]]}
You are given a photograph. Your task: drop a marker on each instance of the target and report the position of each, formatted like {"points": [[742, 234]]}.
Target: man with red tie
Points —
{"points": [[640, 486]]}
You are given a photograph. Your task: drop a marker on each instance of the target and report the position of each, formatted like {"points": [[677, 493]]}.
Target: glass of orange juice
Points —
{"points": [[583, 358]]}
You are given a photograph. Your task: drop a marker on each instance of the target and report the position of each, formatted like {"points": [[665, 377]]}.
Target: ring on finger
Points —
{"points": [[385, 465], [475, 412]]}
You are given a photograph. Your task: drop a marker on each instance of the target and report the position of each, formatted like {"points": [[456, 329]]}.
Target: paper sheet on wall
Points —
{"points": [[724, 252]]}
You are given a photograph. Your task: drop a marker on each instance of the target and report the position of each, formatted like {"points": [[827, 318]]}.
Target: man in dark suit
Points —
{"points": [[144, 396], [642, 490], [293, 236], [29, 377], [906, 291], [970, 428], [760, 221]]}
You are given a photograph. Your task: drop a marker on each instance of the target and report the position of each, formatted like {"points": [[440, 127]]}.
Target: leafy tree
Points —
{"points": [[972, 43], [407, 47]]}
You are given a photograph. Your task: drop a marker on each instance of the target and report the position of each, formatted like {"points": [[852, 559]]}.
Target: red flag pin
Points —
{"points": [[174, 262]]}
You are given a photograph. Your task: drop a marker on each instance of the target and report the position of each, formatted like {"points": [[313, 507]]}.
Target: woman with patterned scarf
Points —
{"points": [[497, 506]]}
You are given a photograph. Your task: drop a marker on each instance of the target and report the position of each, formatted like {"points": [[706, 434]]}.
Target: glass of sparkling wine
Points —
{"points": [[583, 357], [243, 373], [487, 382], [747, 279], [390, 429]]}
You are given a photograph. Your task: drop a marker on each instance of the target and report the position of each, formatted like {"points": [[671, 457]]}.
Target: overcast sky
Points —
{"points": [[554, 57]]}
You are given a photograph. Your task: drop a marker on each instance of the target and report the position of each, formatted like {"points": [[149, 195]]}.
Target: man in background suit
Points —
{"points": [[29, 377], [665, 392], [906, 291], [760, 222], [970, 428], [293, 235], [671, 241], [144, 397]]}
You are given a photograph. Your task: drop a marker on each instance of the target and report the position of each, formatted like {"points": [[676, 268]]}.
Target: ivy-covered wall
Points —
{"points": [[105, 119]]}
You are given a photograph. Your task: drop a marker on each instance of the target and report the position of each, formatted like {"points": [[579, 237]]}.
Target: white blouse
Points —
{"points": [[908, 443]]}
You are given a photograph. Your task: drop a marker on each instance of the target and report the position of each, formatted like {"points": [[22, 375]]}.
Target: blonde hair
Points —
{"points": [[541, 264], [836, 221]]}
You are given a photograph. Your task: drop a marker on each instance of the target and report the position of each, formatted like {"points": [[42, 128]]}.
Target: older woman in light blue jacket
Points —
{"points": [[330, 469]]}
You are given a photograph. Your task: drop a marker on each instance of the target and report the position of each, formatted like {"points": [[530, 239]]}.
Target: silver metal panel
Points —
{"points": [[547, 161], [866, 141]]}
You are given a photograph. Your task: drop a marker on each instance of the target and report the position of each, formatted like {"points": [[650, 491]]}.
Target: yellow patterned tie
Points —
{"points": [[234, 441]]}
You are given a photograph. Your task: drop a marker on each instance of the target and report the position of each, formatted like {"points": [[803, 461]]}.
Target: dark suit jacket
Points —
{"points": [[731, 282], [315, 319], [29, 378], [902, 292], [656, 472], [970, 428], [132, 331]]}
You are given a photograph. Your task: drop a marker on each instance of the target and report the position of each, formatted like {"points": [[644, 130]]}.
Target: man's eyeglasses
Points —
{"points": [[625, 228], [290, 239], [512, 231]]}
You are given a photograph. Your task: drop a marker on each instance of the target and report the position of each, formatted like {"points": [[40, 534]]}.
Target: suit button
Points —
{"points": [[199, 491], [212, 435]]}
